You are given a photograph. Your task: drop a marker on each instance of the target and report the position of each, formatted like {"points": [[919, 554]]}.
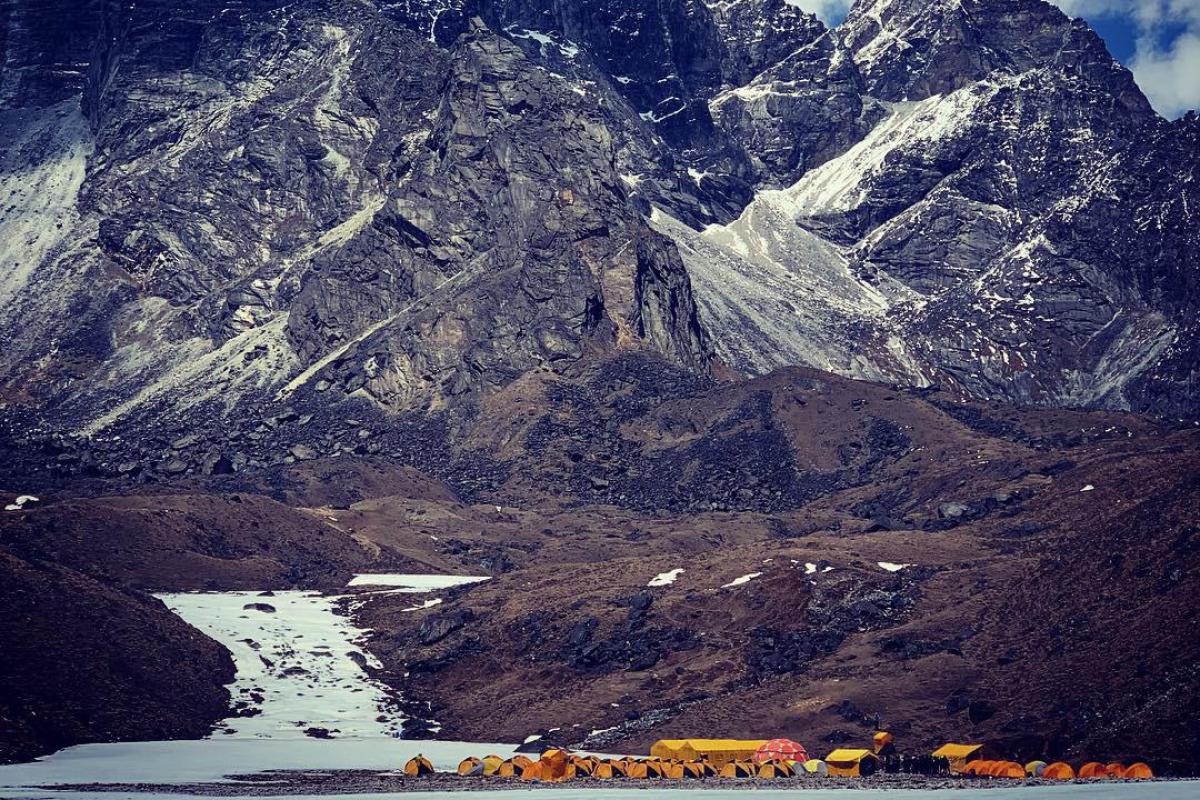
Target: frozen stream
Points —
{"points": [[300, 660], [299, 667]]}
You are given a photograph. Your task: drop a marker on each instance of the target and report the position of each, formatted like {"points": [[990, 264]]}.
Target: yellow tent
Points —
{"points": [[673, 748], [815, 766], [738, 769], [491, 764], [959, 755], [613, 768], [718, 752], [514, 767], [851, 763], [774, 769]]}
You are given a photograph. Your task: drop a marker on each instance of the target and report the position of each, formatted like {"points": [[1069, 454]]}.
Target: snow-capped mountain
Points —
{"points": [[213, 208]]}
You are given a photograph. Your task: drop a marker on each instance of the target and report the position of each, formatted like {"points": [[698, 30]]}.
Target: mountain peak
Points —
{"points": [[913, 49]]}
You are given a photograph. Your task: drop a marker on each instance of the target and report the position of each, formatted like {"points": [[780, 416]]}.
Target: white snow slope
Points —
{"points": [[298, 659]]}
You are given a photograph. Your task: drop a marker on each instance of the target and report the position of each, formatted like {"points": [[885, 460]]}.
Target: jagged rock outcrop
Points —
{"points": [[967, 218], [268, 207]]}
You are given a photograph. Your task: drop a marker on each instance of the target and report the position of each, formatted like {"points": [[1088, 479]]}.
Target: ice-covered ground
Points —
{"points": [[212, 760], [300, 660], [299, 666], [414, 583]]}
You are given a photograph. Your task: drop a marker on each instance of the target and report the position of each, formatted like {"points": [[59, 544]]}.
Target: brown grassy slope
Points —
{"points": [[86, 662], [1043, 619], [185, 542]]}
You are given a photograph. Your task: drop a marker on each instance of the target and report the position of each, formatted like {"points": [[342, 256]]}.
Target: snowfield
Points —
{"points": [[742, 581], [415, 584], [300, 660], [665, 578], [298, 667]]}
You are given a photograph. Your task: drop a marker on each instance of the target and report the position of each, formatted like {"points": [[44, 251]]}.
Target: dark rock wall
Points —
{"points": [[45, 49]]}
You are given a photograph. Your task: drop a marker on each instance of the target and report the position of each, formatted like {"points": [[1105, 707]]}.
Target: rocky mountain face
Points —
{"points": [[963, 221], [218, 213]]}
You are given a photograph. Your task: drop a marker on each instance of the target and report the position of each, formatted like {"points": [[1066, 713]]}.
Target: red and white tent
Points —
{"points": [[780, 750]]}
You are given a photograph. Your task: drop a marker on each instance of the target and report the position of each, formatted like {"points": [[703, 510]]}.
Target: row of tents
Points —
{"points": [[681, 759], [968, 759], [557, 766], [1058, 770]]}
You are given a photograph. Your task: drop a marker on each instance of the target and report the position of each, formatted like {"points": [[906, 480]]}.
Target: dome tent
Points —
{"points": [[417, 766], [780, 750]]}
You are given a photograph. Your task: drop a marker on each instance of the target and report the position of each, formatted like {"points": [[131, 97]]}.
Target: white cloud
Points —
{"points": [[1167, 70], [830, 11], [1170, 76], [1147, 13]]}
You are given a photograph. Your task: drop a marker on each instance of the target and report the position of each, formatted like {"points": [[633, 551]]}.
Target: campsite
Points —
{"points": [[274, 742]]}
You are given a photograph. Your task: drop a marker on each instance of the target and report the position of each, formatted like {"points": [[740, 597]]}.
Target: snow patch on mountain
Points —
{"points": [[43, 162], [840, 184], [773, 294]]}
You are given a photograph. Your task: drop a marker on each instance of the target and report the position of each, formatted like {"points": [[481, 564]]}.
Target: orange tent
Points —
{"points": [[1007, 769], [612, 768], [977, 767], [1059, 771], [637, 769], [514, 767], [673, 770], [1093, 770], [780, 750], [697, 769], [774, 769], [555, 766], [418, 765], [738, 769], [586, 765], [1138, 772], [470, 766]]}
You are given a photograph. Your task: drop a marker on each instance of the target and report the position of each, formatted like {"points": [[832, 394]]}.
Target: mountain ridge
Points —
{"points": [[262, 213]]}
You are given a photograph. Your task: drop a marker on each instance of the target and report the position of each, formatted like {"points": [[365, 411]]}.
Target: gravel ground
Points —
{"points": [[364, 782]]}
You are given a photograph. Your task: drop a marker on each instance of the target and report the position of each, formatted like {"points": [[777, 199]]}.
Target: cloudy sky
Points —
{"points": [[1158, 39]]}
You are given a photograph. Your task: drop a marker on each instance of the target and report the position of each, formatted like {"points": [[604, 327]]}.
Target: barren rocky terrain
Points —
{"points": [[783, 378], [1044, 605]]}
